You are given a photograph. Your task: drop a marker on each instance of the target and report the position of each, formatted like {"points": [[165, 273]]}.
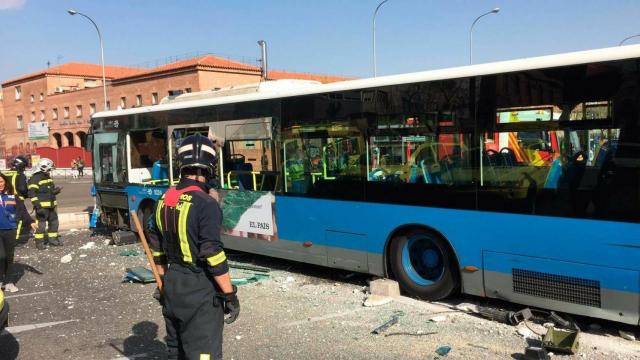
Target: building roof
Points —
{"points": [[81, 70], [197, 63], [280, 75], [207, 62]]}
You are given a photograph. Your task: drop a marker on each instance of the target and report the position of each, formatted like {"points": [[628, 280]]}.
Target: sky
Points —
{"points": [[314, 36]]}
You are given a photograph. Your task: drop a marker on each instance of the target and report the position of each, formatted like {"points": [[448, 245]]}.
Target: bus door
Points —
{"points": [[248, 168]]}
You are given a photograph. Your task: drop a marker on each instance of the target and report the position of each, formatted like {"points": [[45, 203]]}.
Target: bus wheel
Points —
{"points": [[423, 265]]}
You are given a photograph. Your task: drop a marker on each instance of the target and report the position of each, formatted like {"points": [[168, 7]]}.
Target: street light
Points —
{"points": [[627, 38], [104, 81], [494, 11], [375, 13]]}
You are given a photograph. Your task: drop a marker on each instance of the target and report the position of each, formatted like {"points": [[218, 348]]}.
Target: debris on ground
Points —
{"points": [[525, 333], [466, 307], [139, 274], [235, 265], [536, 353], [389, 323], [66, 259], [627, 335], [437, 318], [376, 300], [443, 350], [246, 277], [561, 340], [87, 246], [129, 252]]}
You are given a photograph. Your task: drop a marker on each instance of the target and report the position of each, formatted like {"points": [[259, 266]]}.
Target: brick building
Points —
{"points": [[65, 96]]}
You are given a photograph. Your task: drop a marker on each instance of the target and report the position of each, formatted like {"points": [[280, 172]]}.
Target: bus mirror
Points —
{"points": [[89, 143]]}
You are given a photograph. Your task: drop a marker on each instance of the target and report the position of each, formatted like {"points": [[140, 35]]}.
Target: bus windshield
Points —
{"points": [[108, 155]]}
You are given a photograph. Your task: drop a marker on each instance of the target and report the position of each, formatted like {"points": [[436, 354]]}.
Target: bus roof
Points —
{"points": [[271, 92]]}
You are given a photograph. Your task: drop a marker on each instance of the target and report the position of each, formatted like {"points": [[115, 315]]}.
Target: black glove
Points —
{"points": [[40, 211], [231, 305], [57, 190], [157, 294]]}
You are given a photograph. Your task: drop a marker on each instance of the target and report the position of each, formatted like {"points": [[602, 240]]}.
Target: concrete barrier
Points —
{"points": [[75, 220]]}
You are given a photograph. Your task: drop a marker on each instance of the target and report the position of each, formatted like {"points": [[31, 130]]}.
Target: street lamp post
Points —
{"points": [[104, 80], [375, 13], [494, 11], [628, 38]]}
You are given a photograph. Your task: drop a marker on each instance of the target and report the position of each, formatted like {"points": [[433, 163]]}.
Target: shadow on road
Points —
{"points": [[9, 346], [144, 343], [19, 269]]}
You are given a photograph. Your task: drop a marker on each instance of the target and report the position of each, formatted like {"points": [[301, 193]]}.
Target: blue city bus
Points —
{"points": [[517, 180]]}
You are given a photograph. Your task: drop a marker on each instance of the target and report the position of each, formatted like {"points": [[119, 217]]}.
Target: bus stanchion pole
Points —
{"points": [[147, 251]]}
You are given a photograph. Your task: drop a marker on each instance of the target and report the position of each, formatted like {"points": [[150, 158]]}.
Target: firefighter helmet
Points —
{"points": [[20, 163], [44, 165], [197, 151]]}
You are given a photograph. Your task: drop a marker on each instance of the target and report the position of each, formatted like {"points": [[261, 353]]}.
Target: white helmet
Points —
{"points": [[44, 165]]}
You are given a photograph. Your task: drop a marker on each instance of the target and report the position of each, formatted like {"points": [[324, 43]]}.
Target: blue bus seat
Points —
{"points": [[554, 175], [159, 171]]}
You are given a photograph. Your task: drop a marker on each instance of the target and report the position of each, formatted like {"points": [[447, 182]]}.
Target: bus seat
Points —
{"points": [[554, 175], [159, 171]]}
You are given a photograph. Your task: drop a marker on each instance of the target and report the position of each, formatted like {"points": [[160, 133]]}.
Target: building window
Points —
{"points": [[41, 96], [66, 112], [92, 109], [175, 92], [154, 98], [19, 123], [90, 83], [108, 105], [78, 110], [54, 114], [31, 98], [18, 92], [42, 115], [187, 90], [138, 100], [33, 116], [123, 102]]}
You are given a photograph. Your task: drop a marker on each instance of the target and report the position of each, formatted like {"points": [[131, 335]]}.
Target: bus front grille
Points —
{"points": [[557, 287]]}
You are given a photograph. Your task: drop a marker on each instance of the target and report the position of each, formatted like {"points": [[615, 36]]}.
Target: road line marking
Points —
{"points": [[131, 357], [29, 294], [321, 318], [23, 328]]}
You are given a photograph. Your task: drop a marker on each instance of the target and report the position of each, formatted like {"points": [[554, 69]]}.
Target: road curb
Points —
{"points": [[74, 220]]}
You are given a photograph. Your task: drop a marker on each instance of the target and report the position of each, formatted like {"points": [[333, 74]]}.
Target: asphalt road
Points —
{"points": [[75, 195], [83, 310]]}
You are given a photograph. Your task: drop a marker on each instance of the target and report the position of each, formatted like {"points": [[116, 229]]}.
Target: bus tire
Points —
{"points": [[423, 265]]}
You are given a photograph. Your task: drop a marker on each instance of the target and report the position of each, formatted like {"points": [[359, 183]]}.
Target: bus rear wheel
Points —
{"points": [[423, 265]]}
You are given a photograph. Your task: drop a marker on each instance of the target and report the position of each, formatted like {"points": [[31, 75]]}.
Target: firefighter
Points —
{"points": [[184, 235], [19, 185], [42, 193]]}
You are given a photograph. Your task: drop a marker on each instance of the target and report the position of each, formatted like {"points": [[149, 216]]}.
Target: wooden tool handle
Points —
{"points": [[147, 251]]}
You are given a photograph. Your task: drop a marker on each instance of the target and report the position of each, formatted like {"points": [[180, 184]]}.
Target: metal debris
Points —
{"points": [[389, 323]]}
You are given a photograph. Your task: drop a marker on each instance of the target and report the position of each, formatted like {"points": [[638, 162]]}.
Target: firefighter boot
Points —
{"points": [[40, 245], [55, 241]]}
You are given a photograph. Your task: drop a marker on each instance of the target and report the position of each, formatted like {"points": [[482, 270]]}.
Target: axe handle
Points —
{"points": [[147, 251]]}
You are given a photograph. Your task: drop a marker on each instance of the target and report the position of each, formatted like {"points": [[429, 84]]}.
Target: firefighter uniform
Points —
{"points": [[19, 184], [185, 235], [42, 193]]}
